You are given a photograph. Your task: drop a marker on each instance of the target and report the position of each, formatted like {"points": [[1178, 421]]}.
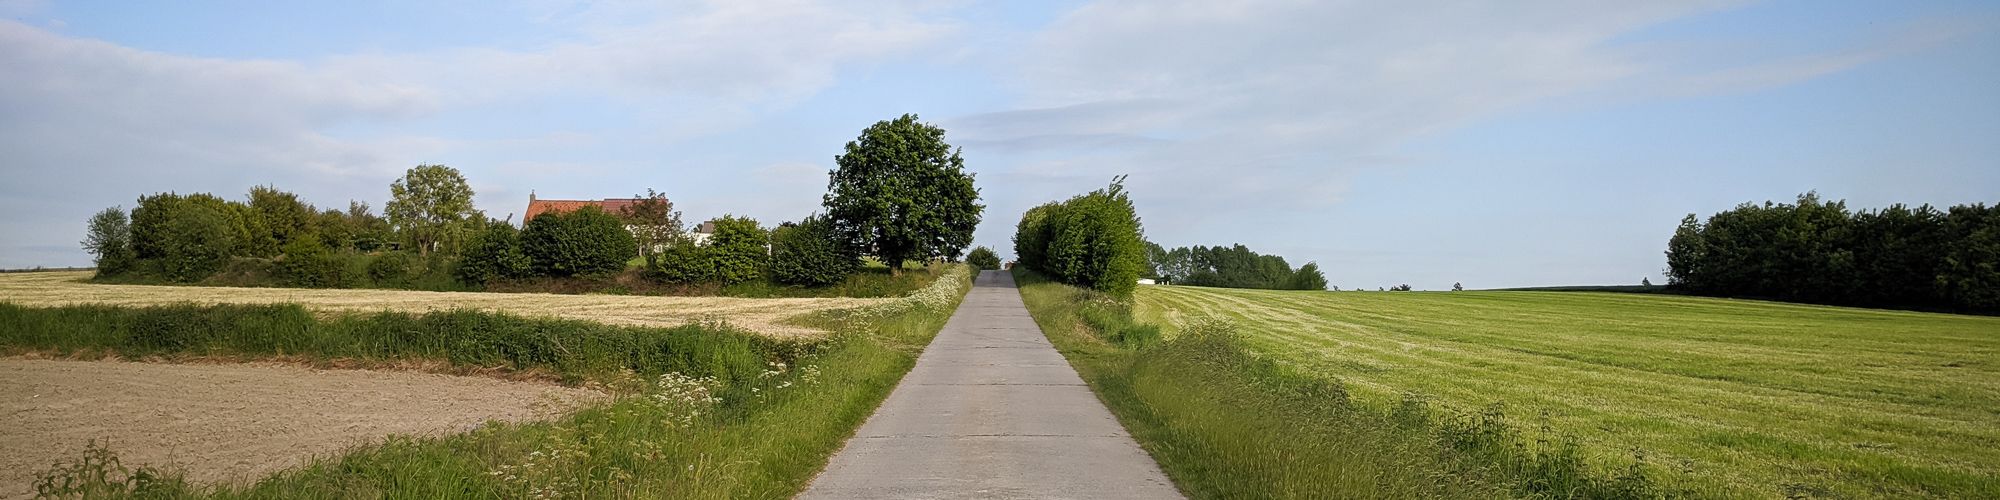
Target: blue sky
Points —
{"points": [[1494, 144]]}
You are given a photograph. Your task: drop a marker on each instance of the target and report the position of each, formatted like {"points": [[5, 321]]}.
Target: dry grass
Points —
{"points": [[766, 316]]}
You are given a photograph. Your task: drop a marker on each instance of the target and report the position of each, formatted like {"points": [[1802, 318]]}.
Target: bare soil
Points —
{"points": [[237, 422]]}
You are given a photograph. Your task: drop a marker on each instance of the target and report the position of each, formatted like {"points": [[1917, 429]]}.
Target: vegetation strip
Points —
{"points": [[767, 316], [1254, 428], [705, 410]]}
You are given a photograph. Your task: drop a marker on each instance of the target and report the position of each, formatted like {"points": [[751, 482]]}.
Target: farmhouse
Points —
{"points": [[536, 206]]}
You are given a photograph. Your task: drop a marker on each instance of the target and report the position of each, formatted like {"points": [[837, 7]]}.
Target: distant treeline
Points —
{"points": [[1230, 267], [1820, 252]]}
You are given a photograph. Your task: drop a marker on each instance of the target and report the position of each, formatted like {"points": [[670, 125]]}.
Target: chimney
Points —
{"points": [[531, 196]]}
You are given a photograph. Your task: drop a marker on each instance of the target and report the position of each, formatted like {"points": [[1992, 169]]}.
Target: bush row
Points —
{"points": [[1092, 240]]}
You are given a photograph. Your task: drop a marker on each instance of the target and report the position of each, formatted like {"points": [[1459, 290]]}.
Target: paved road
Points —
{"points": [[991, 411]]}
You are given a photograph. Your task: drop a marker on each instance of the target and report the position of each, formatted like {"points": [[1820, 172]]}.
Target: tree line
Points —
{"points": [[1818, 251], [430, 236], [1230, 267]]}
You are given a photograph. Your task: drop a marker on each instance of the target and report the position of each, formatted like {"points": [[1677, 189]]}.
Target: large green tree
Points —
{"points": [[901, 193], [428, 204]]}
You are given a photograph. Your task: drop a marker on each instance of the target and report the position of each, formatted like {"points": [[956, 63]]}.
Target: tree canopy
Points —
{"points": [[429, 203], [900, 192]]}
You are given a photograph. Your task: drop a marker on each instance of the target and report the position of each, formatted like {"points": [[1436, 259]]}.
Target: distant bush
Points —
{"points": [[197, 242], [392, 268], [1308, 277], [1400, 288], [1092, 240], [983, 258], [810, 253], [739, 249], [494, 255], [685, 264], [308, 264], [584, 242]]}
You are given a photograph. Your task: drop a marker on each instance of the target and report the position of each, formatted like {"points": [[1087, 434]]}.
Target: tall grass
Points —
{"points": [[568, 349], [702, 426], [1224, 423]]}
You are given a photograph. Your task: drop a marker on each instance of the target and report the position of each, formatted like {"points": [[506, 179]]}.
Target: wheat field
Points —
{"points": [[1726, 397], [765, 316]]}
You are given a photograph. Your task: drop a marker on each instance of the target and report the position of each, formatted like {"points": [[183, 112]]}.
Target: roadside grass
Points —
{"points": [[1226, 423], [729, 415], [1707, 397]]}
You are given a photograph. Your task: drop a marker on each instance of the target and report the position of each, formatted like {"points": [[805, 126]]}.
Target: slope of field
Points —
{"points": [[237, 422], [1725, 397], [768, 316]]}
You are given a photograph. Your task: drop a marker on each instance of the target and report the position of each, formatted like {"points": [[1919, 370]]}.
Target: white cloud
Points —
{"points": [[1222, 109], [89, 123]]}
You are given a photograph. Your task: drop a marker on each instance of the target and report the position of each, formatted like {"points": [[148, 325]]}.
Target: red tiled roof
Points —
{"points": [[612, 205]]}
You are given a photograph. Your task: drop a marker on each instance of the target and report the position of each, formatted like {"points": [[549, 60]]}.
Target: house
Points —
{"points": [[615, 206]]}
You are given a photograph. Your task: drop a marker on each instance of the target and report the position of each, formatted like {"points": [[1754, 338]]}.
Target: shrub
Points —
{"points": [[309, 264], [391, 268], [1092, 241], [1031, 236], [495, 255], [739, 249], [583, 242], [685, 264], [1308, 277], [983, 258], [196, 243], [810, 254]]}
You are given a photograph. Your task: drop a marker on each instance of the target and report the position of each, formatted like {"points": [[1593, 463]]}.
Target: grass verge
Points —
{"points": [[1224, 423], [724, 415]]}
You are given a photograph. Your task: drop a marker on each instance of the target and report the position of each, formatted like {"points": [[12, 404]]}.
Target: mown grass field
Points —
{"points": [[1719, 397]]}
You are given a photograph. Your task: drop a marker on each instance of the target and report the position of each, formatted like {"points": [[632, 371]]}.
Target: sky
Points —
{"points": [[1494, 144]]}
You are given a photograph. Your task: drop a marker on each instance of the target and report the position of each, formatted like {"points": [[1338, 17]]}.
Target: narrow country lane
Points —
{"points": [[991, 410]]}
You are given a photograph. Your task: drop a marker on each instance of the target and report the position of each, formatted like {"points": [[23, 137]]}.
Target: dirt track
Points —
{"points": [[232, 422]]}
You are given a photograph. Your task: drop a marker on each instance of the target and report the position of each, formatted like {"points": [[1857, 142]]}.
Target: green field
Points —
{"points": [[1722, 397]]}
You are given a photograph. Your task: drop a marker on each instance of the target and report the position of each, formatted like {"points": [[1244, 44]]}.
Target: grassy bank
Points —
{"points": [[1720, 397], [1226, 423], [723, 415]]}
